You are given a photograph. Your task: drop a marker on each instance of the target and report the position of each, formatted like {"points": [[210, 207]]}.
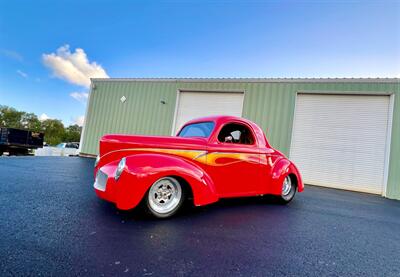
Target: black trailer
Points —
{"points": [[19, 142]]}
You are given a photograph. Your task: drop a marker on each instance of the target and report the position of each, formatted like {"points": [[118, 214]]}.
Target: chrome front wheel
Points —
{"points": [[165, 197]]}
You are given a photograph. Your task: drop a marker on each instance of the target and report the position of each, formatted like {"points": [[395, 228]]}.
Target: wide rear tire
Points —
{"points": [[289, 189]]}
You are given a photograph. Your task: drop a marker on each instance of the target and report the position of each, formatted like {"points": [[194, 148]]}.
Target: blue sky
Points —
{"points": [[185, 39]]}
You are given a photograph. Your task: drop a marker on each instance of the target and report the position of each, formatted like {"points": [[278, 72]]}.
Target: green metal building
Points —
{"points": [[342, 133]]}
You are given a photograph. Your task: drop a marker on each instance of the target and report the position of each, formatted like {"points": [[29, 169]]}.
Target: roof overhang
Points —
{"points": [[252, 80]]}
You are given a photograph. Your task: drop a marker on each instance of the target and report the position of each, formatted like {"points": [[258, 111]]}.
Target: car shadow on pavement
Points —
{"points": [[189, 210]]}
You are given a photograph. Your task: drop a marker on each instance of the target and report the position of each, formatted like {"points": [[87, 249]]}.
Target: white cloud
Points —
{"points": [[80, 96], [73, 67], [79, 120], [22, 74], [43, 117]]}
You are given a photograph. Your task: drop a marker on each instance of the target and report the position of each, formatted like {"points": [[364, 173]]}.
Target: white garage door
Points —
{"points": [[193, 105], [340, 140]]}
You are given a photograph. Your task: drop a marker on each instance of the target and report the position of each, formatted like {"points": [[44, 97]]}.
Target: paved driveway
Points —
{"points": [[51, 223]]}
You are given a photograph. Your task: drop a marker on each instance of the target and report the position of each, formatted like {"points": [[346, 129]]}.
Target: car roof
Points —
{"points": [[219, 118]]}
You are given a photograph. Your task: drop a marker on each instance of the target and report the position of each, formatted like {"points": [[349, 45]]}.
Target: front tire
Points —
{"points": [[165, 197], [289, 189]]}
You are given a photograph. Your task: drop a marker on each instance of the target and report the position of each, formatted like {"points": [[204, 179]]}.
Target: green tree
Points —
{"points": [[73, 133], [10, 117], [53, 130], [31, 122]]}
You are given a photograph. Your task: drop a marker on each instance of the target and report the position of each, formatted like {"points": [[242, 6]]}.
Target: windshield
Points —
{"points": [[201, 129]]}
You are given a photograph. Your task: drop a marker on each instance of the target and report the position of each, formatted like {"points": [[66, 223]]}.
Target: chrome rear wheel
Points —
{"points": [[289, 189]]}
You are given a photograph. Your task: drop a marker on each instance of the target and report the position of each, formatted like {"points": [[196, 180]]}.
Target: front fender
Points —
{"points": [[142, 170], [282, 168]]}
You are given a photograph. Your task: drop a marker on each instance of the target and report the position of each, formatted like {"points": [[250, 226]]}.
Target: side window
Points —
{"points": [[236, 133], [72, 145]]}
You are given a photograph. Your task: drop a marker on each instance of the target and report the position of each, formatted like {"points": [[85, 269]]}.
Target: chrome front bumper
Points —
{"points": [[101, 181]]}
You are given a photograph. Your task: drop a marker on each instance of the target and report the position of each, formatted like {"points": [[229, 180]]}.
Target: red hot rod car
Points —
{"points": [[210, 158]]}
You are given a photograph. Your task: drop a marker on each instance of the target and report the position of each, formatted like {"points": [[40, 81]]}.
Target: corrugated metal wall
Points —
{"points": [[269, 104]]}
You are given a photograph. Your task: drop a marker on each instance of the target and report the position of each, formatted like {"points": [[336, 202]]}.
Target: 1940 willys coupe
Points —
{"points": [[210, 158]]}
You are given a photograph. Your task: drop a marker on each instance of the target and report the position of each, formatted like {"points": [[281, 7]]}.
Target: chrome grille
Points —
{"points": [[101, 181]]}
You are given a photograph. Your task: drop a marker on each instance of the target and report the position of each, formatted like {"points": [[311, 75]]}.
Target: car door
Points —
{"points": [[233, 160]]}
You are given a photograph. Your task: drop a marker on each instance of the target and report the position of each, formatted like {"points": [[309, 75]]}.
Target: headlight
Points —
{"points": [[97, 160], [120, 168]]}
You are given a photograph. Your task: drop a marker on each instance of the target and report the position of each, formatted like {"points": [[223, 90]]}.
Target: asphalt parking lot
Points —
{"points": [[51, 223]]}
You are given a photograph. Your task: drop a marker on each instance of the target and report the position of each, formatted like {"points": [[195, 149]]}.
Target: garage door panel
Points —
{"points": [[340, 140], [193, 105]]}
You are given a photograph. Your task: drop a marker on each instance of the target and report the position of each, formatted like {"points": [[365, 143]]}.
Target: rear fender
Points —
{"points": [[142, 170], [282, 168]]}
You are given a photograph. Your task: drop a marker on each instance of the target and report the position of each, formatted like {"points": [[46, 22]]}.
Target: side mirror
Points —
{"points": [[228, 139]]}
